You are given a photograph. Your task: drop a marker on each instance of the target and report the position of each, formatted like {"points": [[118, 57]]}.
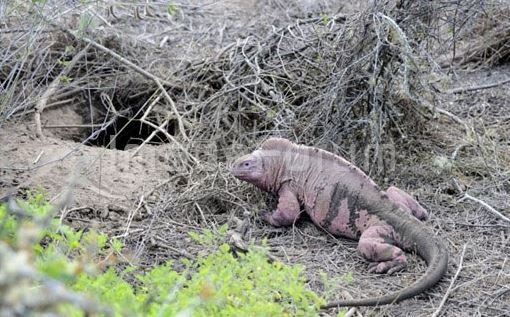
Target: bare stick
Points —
{"points": [[472, 88], [202, 214], [41, 104], [351, 312], [38, 157], [174, 108], [131, 216], [454, 118], [486, 205], [171, 138], [481, 202], [164, 244], [457, 149], [76, 126], [151, 105], [22, 112], [148, 139], [449, 290]]}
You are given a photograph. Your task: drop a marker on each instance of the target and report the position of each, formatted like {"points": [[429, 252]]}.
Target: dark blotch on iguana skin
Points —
{"points": [[341, 199], [336, 196]]}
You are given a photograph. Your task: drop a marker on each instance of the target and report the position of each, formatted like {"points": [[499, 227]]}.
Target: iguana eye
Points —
{"points": [[246, 164]]}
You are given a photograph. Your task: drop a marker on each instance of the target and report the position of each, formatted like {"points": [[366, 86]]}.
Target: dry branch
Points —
{"points": [[455, 118], [460, 90], [449, 290], [172, 139], [481, 202], [486, 205], [150, 137], [74, 126], [41, 104]]}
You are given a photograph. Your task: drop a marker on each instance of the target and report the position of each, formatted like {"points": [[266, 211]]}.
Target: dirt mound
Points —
{"points": [[100, 177]]}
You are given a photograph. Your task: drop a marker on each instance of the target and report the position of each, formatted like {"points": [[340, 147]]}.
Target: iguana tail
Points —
{"points": [[427, 245]]}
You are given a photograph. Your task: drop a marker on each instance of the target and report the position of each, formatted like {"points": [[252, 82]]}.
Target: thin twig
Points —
{"points": [[486, 205], [164, 244], [151, 105], [131, 216], [174, 108], [150, 137], [454, 118], [171, 138], [73, 126], [41, 104], [449, 290], [38, 157], [456, 151], [481, 202], [480, 87], [351, 312]]}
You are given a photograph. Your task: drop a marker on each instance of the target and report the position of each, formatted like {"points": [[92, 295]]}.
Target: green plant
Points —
{"points": [[221, 283], [171, 8], [209, 237], [85, 23]]}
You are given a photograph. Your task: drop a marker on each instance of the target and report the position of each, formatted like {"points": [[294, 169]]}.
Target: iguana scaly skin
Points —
{"points": [[344, 201]]}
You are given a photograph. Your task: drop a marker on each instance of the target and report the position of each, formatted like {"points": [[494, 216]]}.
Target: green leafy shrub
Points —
{"points": [[221, 283], [217, 285]]}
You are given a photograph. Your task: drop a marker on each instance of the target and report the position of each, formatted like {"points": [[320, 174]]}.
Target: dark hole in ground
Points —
{"points": [[124, 133]]}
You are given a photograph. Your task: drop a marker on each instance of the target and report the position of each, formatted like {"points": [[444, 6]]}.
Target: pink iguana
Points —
{"points": [[343, 200]]}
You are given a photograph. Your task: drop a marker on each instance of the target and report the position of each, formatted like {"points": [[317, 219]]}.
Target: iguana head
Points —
{"points": [[249, 168]]}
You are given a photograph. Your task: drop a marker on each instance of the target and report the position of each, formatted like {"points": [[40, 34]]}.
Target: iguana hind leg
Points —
{"points": [[407, 202], [376, 246], [286, 212]]}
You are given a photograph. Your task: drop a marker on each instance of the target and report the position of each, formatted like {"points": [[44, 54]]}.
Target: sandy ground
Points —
{"points": [[100, 178]]}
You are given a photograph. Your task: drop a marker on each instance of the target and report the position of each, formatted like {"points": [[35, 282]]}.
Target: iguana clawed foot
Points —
{"points": [[388, 267], [266, 215], [287, 211], [377, 246]]}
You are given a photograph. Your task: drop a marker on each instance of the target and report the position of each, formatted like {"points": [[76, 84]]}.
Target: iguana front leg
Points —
{"points": [[376, 245], [286, 212]]}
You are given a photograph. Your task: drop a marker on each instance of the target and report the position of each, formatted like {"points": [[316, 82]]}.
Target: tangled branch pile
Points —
{"points": [[483, 33], [329, 79]]}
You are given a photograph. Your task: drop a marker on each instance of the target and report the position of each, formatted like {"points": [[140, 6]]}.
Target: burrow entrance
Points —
{"points": [[123, 133], [111, 124]]}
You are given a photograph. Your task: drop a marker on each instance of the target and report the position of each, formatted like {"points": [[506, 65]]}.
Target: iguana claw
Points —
{"points": [[388, 267]]}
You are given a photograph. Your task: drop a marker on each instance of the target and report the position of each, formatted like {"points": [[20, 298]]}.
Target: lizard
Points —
{"points": [[341, 199]]}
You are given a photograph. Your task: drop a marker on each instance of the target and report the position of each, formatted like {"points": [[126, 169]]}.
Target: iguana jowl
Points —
{"points": [[344, 201]]}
